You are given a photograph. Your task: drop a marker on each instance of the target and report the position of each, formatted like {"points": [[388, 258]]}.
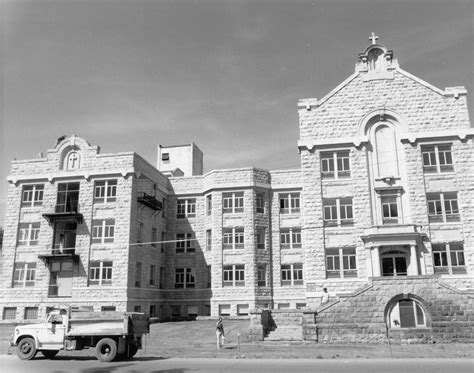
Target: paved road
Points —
{"points": [[11, 364]]}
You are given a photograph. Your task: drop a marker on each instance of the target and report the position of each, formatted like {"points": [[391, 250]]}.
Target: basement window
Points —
{"points": [[407, 313]]}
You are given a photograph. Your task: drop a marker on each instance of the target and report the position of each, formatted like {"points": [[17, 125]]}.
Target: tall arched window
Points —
{"points": [[386, 148]]}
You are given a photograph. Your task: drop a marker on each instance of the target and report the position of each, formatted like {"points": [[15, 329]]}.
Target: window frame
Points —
{"points": [[290, 203], [341, 262], [233, 275], [433, 155], [28, 234], [185, 208], [185, 243], [454, 254], [291, 240], [107, 191], [437, 207], [34, 193], [233, 202], [291, 274], [103, 231], [260, 203], [101, 272], [335, 164], [233, 238], [338, 209], [24, 274], [185, 278]]}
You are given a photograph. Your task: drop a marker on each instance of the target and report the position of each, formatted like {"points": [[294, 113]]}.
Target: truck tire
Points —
{"points": [[49, 354], [26, 349], [132, 350], [106, 350]]}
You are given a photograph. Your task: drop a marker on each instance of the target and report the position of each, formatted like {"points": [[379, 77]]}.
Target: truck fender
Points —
{"points": [[20, 337]]}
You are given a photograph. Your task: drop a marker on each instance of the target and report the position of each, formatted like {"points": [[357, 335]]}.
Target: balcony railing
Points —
{"points": [[149, 201], [65, 212]]}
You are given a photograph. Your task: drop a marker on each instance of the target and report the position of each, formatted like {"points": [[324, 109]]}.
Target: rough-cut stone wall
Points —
{"points": [[361, 317]]}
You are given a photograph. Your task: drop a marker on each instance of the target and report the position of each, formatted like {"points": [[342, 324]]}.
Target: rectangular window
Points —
{"points": [[163, 242], [224, 309], [234, 275], [31, 313], [107, 308], [209, 204], [260, 203], [209, 276], [186, 208], [242, 310], [437, 158], [28, 234], [68, 198], [105, 191], [335, 165], [389, 209], [289, 203], [232, 202], [341, 263], [290, 238], [443, 207], [103, 230], [260, 237], [32, 195], [154, 238], [140, 232], [233, 238], [449, 258], [292, 274], [185, 243], [262, 275], [138, 274], [162, 277], [338, 211], [152, 275], [100, 273], [208, 240], [184, 278], [24, 274], [9, 313]]}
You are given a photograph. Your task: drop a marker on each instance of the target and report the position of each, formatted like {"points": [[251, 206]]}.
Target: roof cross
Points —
{"points": [[374, 38]]}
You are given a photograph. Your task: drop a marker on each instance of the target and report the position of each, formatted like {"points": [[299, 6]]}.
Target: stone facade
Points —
{"points": [[380, 213]]}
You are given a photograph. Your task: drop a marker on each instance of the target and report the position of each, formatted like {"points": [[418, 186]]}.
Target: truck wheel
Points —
{"points": [[26, 349], [106, 350], [49, 354], [132, 350]]}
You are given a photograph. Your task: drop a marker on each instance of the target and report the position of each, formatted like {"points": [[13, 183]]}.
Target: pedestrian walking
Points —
{"points": [[220, 335], [325, 296]]}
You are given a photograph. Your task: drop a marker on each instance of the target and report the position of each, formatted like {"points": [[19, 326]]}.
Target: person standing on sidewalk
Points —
{"points": [[220, 335]]}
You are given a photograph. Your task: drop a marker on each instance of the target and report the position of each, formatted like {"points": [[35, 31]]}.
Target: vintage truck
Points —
{"points": [[115, 335]]}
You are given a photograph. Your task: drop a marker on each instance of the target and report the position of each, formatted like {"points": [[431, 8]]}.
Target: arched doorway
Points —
{"points": [[394, 262]]}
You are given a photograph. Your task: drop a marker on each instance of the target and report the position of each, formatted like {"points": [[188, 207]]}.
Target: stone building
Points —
{"points": [[380, 213]]}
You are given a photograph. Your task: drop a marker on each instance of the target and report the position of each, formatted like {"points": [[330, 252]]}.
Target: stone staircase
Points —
{"points": [[286, 326]]}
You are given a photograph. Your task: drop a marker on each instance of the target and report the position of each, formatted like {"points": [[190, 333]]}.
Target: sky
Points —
{"points": [[128, 75]]}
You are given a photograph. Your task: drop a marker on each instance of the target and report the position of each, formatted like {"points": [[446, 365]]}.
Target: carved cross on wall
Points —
{"points": [[73, 161], [374, 38]]}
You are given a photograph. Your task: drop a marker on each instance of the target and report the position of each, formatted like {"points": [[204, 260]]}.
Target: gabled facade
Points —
{"points": [[380, 213]]}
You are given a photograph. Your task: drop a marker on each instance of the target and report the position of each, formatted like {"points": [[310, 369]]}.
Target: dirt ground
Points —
{"points": [[196, 339]]}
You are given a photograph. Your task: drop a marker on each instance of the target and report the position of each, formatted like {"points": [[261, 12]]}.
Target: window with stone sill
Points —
{"points": [[31, 313], [209, 205], [289, 203], [186, 208], [233, 202], [32, 195], [260, 237], [100, 273], [338, 211], [184, 278], [443, 207], [437, 158], [185, 243], [28, 234], [103, 231], [262, 275], [233, 275], [233, 238], [9, 313], [290, 238], [260, 203], [105, 191], [138, 274], [335, 165], [341, 263], [152, 281], [449, 258], [24, 274], [292, 274]]}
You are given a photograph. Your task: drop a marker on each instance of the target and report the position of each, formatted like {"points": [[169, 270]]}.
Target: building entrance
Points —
{"points": [[394, 263]]}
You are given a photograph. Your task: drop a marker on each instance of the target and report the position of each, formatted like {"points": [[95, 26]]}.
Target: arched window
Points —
{"points": [[387, 155], [407, 313], [376, 60]]}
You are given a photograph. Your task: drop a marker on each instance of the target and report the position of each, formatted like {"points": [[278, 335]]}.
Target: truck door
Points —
{"points": [[55, 332]]}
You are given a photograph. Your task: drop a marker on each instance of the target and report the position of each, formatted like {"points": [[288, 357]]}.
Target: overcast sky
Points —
{"points": [[128, 75]]}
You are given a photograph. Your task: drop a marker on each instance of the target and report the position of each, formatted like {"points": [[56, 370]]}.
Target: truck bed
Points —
{"points": [[107, 323]]}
